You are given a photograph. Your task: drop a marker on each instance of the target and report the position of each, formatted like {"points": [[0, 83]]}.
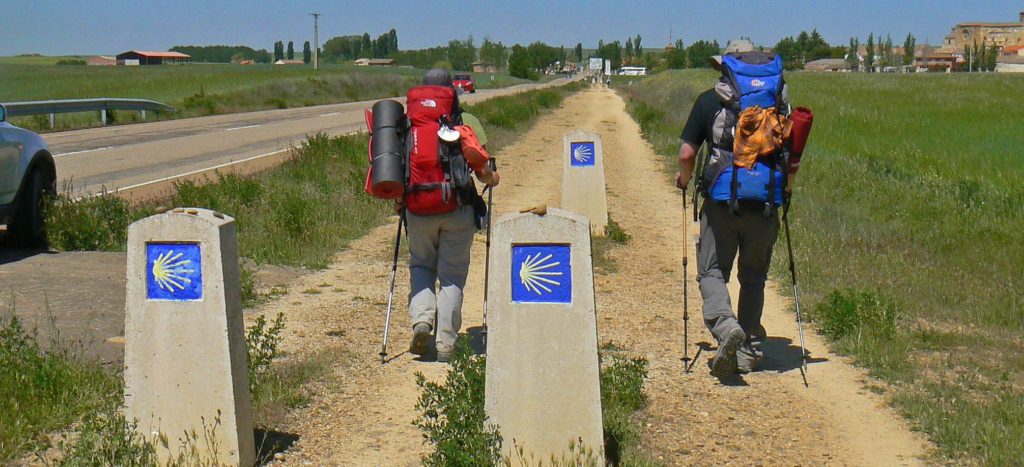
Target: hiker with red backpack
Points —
{"points": [[424, 161], [745, 175]]}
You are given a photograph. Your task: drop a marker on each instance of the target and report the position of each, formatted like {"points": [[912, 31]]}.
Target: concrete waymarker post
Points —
{"points": [[543, 387], [185, 357], [583, 189]]}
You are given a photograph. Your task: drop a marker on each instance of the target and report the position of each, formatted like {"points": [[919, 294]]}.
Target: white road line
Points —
{"points": [[83, 151], [186, 174], [331, 114], [241, 127]]}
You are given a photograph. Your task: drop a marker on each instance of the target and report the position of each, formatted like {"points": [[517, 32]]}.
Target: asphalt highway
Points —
{"points": [[147, 156]]}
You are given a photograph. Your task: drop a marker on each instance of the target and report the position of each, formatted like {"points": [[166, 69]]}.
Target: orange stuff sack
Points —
{"points": [[474, 152], [759, 132]]}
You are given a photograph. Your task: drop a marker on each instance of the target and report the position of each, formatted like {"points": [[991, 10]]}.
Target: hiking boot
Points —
{"points": [[724, 363], [748, 357], [420, 339], [445, 356]]}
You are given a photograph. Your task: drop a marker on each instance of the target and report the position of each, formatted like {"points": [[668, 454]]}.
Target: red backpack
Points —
{"points": [[429, 189], [432, 170]]}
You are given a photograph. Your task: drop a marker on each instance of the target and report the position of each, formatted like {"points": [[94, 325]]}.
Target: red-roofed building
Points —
{"points": [[139, 57], [1012, 51]]}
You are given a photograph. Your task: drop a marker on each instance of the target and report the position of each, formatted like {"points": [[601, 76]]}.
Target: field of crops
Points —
{"points": [[202, 89], [906, 219]]}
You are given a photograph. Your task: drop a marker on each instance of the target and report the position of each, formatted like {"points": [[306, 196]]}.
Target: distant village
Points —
{"points": [[964, 49], [970, 46]]}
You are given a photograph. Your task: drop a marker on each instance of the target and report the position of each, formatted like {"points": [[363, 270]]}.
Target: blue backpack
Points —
{"points": [[748, 80]]}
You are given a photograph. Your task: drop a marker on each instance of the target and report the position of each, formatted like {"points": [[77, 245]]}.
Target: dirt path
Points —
{"points": [[363, 416]]}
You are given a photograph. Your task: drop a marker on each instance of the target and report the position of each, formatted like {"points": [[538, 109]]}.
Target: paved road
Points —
{"points": [[145, 155]]}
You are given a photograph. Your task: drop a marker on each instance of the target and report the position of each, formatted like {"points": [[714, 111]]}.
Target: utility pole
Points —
{"points": [[316, 40]]}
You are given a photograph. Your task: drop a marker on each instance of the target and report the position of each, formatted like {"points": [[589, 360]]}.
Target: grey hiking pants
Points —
{"points": [[722, 233], [439, 249]]}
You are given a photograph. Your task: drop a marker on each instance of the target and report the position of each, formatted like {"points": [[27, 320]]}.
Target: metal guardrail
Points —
{"points": [[102, 105]]}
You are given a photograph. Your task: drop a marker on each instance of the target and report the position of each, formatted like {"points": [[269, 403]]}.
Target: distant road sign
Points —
{"points": [[596, 64]]}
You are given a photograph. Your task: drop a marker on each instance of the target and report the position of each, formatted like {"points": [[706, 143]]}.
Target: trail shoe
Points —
{"points": [[445, 355], [724, 363], [748, 357], [420, 339]]}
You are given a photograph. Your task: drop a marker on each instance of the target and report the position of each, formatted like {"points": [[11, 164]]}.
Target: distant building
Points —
{"points": [[482, 67], [138, 57], [375, 62], [101, 60], [987, 34], [1010, 64], [827, 64], [289, 62]]}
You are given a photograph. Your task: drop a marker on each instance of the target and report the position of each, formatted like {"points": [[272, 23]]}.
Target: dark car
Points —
{"points": [[464, 82]]}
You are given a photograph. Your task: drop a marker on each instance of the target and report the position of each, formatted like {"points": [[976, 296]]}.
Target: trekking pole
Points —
{"points": [[391, 291], [487, 252], [686, 293], [796, 294]]}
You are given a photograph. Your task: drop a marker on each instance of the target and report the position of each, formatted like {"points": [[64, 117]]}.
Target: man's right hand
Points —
{"points": [[679, 181]]}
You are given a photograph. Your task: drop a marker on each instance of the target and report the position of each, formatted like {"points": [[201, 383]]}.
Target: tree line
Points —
{"points": [[346, 48], [223, 53]]}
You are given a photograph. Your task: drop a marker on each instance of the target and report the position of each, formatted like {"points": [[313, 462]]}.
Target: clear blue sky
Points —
{"points": [[58, 27]]}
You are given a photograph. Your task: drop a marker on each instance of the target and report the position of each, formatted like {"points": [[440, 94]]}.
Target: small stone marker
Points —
{"points": [[583, 178], [543, 387], [185, 356]]}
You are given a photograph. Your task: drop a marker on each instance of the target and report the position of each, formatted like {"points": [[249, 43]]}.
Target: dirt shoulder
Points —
{"points": [[363, 415]]}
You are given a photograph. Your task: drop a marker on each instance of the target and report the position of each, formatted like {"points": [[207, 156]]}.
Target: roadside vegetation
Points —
{"points": [[905, 222], [198, 90], [454, 422], [53, 397]]}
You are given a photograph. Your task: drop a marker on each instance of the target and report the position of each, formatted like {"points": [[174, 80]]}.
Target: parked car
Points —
{"points": [[27, 175], [465, 82]]}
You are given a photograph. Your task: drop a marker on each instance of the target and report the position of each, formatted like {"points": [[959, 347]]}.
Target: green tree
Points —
{"points": [[494, 53], [278, 51], [909, 44], [461, 53], [291, 50], [991, 57], [699, 53], [519, 63], [579, 53], [365, 47], [869, 59], [675, 59], [629, 48], [307, 53], [887, 55], [637, 48], [853, 54]]}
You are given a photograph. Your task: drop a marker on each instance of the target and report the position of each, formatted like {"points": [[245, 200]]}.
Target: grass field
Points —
{"points": [[203, 89], [906, 218]]}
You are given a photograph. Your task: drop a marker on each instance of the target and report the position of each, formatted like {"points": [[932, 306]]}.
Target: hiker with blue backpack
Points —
{"points": [[744, 176]]}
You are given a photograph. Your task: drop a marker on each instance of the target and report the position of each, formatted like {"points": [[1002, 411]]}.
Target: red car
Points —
{"points": [[465, 82]]}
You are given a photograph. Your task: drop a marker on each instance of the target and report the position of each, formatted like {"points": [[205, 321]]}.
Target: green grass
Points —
{"points": [[36, 59], [43, 391], [202, 89], [906, 214], [452, 418]]}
